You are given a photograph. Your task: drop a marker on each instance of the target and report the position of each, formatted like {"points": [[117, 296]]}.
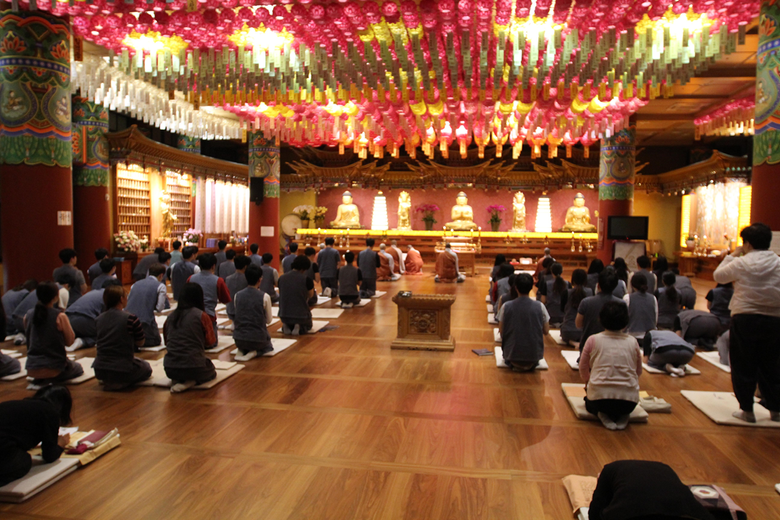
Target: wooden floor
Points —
{"points": [[340, 427]]}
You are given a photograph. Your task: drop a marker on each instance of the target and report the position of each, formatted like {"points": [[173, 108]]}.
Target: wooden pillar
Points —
{"points": [[264, 162], [616, 184]]}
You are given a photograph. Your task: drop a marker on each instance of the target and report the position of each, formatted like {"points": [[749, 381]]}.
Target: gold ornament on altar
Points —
{"points": [[168, 218], [462, 215], [578, 217], [518, 213], [348, 215], [404, 205]]}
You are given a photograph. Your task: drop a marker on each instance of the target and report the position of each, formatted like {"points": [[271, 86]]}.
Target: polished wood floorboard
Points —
{"points": [[341, 427]]}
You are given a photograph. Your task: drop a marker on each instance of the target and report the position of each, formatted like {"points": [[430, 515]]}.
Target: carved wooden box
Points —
{"points": [[424, 322]]}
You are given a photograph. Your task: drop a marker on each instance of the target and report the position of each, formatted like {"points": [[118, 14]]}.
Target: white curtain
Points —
{"points": [[200, 203], [717, 211], [222, 207]]}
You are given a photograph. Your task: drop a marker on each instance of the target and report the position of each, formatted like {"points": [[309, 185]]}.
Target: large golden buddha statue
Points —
{"points": [[462, 215], [404, 205], [518, 213], [578, 217], [348, 215]]}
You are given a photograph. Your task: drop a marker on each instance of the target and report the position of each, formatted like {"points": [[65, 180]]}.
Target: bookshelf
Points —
{"points": [[179, 186], [133, 200]]}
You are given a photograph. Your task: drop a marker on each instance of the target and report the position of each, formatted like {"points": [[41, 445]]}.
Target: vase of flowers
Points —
{"points": [[495, 211], [319, 216], [427, 211], [127, 242], [191, 236], [144, 243], [305, 212]]}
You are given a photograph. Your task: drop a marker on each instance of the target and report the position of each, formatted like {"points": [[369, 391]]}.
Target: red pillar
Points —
{"points": [[91, 206], [264, 162], [616, 185], [36, 198], [766, 142]]}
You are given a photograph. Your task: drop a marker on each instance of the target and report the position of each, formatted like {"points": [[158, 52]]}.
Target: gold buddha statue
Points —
{"points": [[462, 215], [578, 217], [404, 205], [348, 215], [518, 213]]}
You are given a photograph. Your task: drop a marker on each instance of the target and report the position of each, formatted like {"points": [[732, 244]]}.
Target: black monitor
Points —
{"points": [[627, 228]]}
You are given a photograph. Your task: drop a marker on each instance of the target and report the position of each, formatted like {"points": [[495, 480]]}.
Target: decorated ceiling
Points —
{"points": [[376, 76]]}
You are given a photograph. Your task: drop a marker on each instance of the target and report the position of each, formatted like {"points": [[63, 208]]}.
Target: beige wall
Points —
{"points": [[289, 200], [664, 213]]}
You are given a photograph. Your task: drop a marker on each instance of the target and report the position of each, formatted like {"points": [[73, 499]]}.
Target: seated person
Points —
{"points": [[83, 313], [221, 256], [94, 270], [642, 307], [643, 489], [669, 301], [523, 323], [141, 270], [398, 258], [368, 263], [349, 282], [188, 333], [590, 308], [667, 351], [119, 335], [723, 347], [447, 270], [182, 270], [270, 278], [328, 260], [11, 300], [214, 289], [621, 268], [148, 296], [552, 294], [500, 285], [288, 259], [253, 315], [295, 292], [540, 268], [20, 312], [254, 257], [176, 255], [48, 333], [107, 271], [413, 263], [686, 290], [699, 328], [570, 333], [8, 365], [544, 275], [237, 282], [227, 266], [594, 270], [313, 273], [610, 366], [386, 271], [69, 261], [718, 300], [65, 282], [643, 265], [26, 423]]}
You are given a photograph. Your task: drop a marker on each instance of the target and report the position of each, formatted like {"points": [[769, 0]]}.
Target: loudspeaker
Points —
{"points": [[256, 190]]}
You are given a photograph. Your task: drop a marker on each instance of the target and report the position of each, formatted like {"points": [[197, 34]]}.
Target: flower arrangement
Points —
{"points": [[144, 243], [495, 211], [427, 210], [319, 212], [305, 211], [192, 236], [127, 242]]}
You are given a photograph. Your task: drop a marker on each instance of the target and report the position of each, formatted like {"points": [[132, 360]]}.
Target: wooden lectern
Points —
{"points": [[424, 322]]}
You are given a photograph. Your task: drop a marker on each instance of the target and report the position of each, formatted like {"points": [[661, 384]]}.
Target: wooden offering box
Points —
{"points": [[424, 322]]}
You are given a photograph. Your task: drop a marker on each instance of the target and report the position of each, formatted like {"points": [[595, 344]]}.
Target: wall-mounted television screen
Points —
{"points": [[627, 228]]}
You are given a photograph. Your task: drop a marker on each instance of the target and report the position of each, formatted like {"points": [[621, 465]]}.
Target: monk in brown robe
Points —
{"points": [[397, 263], [414, 261], [447, 266], [384, 273]]}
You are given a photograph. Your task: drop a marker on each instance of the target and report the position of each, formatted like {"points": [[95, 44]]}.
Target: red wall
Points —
{"points": [[479, 200]]}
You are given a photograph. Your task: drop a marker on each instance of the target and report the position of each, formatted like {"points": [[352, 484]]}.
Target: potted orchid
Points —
{"points": [[319, 215], [305, 212], [127, 242], [192, 236], [428, 210], [144, 243], [495, 211]]}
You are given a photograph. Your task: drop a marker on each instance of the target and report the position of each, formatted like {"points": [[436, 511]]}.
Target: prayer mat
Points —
{"points": [[555, 334], [279, 344], [328, 314], [689, 370], [571, 357], [362, 303], [714, 358], [489, 307], [160, 321], [492, 319], [496, 335], [40, 477], [89, 373], [160, 379], [575, 393], [12, 353], [223, 342], [500, 363], [379, 294], [719, 406]]}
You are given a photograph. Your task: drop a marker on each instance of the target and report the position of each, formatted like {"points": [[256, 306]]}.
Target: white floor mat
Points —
{"points": [[487, 298], [496, 335], [280, 345], [328, 314], [12, 353], [362, 303], [221, 307], [160, 379], [323, 299], [689, 370], [500, 363], [555, 334], [719, 406], [575, 394], [89, 373], [379, 294], [714, 358], [39, 478], [223, 342], [158, 348], [489, 308], [18, 375], [160, 321], [571, 357], [492, 319]]}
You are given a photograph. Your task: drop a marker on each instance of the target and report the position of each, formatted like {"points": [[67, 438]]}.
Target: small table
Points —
{"points": [[424, 322]]}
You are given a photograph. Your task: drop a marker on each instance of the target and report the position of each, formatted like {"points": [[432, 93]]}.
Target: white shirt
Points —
{"points": [[756, 278]]}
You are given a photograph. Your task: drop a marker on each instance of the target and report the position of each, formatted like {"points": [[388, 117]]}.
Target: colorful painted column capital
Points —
{"points": [[766, 141], [264, 161], [35, 113], [89, 143], [617, 165], [188, 144]]}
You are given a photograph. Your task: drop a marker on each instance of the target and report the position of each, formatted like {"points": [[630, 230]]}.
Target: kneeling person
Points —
{"points": [[349, 278], [119, 335], [253, 314], [523, 323], [295, 292], [146, 297]]}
